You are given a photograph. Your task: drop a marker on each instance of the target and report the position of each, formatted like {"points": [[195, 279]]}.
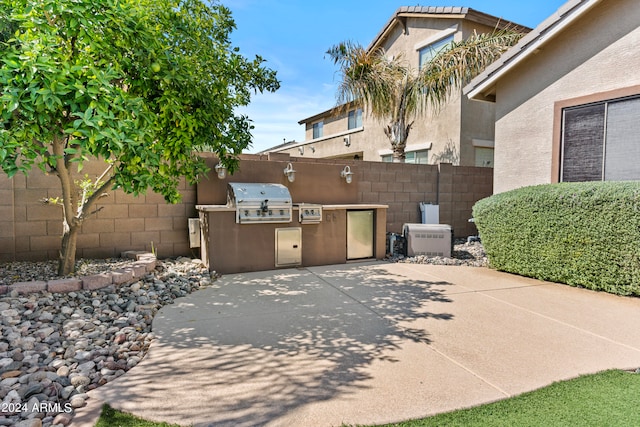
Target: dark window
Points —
{"points": [[317, 130], [355, 119], [583, 143], [601, 141]]}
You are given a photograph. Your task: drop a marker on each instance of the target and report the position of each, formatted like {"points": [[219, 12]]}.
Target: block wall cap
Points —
{"points": [[143, 262]]}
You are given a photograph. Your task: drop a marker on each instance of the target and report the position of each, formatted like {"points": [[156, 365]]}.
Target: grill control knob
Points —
{"points": [[270, 212], [246, 213]]}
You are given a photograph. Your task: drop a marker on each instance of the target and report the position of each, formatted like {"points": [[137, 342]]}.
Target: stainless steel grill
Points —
{"points": [[257, 203], [309, 213]]}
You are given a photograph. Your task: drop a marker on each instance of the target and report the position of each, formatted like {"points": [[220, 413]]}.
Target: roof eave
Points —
{"points": [[327, 113], [482, 88], [442, 12]]}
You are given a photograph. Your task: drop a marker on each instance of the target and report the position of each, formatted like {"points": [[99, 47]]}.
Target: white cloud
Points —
{"points": [[275, 116]]}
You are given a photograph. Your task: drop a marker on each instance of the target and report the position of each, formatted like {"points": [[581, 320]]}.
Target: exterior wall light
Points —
{"points": [[290, 173], [347, 174], [221, 170]]}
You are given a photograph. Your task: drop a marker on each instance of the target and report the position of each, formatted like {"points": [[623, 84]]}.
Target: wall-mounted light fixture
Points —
{"points": [[301, 151], [313, 149], [347, 174], [221, 170], [290, 173]]}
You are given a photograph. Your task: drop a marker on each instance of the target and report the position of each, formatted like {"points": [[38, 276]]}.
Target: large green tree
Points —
{"points": [[140, 84], [392, 91]]}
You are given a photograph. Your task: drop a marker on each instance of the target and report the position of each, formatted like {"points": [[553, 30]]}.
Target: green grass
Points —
{"points": [[610, 398], [110, 417]]}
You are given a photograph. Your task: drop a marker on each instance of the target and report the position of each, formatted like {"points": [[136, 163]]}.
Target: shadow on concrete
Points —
{"points": [[256, 346]]}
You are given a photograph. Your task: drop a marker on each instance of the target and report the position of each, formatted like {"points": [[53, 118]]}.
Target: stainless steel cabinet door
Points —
{"points": [[359, 234], [288, 246]]}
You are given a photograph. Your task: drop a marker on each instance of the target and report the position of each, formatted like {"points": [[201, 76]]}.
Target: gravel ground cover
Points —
{"points": [[57, 346], [470, 253]]}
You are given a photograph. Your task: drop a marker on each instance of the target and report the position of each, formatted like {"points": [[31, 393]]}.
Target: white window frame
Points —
{"points": [[436, 38], [386, 155]]}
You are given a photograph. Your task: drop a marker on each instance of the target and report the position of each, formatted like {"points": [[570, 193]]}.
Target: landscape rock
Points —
{"points": [[55, 346]]}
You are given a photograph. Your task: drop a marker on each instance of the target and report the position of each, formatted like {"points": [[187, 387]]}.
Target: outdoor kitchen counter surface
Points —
{"points": [[354, 206], [223, 208], [215, 208]]}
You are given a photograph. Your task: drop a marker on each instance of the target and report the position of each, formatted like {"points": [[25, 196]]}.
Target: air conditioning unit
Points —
{"points": [[428, 239], [347, 140]]}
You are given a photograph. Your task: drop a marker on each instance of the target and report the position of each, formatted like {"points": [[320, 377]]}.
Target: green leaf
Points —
{"points": [[139, 82]]}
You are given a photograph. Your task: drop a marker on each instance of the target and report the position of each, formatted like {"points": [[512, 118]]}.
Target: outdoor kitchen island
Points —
{"points": [[343, 232]]}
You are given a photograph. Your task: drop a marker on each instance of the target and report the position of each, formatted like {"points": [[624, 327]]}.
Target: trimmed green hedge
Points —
{"points": [[582, 234]]}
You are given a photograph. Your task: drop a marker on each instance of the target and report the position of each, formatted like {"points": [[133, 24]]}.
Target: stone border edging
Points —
{"points": [[144, 263]]}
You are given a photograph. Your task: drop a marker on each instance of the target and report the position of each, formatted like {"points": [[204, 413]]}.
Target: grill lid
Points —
{"points": [[241, 192], [260, 203]]}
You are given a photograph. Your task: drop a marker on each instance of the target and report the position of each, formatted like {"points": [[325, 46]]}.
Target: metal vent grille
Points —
{"points": [[428, 239]]}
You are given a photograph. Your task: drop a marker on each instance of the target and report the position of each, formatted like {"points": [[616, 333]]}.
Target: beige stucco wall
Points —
{"points": [[598, 53], [460, 121]]}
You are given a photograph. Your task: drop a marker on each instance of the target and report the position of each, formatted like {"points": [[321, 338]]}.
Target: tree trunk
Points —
{"points": [[67, 261], [398, 133], [398, 156]]}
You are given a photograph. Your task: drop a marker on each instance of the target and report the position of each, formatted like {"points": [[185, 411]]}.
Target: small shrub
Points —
{"points": [[582, 234]]}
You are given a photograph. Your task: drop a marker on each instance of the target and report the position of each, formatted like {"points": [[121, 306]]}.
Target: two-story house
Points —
{"points": [[567, 98], [460, 133]]}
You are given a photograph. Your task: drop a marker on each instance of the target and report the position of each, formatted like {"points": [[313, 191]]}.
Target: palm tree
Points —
{"points": [[391, 90]]}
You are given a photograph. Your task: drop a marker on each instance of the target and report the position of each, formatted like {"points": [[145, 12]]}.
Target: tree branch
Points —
{"points": [[100, 192]]}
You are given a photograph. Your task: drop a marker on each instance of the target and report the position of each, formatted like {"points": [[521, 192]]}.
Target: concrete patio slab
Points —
{"points": [[240, 296], [368, 343]]}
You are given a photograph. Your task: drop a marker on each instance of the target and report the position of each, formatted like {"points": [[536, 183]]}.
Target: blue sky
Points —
{"points": [[293, 35]]}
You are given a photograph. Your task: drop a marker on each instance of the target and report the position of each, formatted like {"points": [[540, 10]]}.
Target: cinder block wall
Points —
{"points": [[403, 186], [31, 229], [460, 187], [400, 186], [7, 228]]}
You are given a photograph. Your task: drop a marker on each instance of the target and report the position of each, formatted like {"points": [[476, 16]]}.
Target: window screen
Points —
{"points": [[622, 152], [582, 142], [602, 141]]}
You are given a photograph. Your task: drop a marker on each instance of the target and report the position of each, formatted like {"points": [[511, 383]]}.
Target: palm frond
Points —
{"points": [[456, 65], [369, 77], [389, 89]]}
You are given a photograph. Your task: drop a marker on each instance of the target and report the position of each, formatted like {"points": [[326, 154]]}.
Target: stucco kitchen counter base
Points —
{"points": [[228, 247]]}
